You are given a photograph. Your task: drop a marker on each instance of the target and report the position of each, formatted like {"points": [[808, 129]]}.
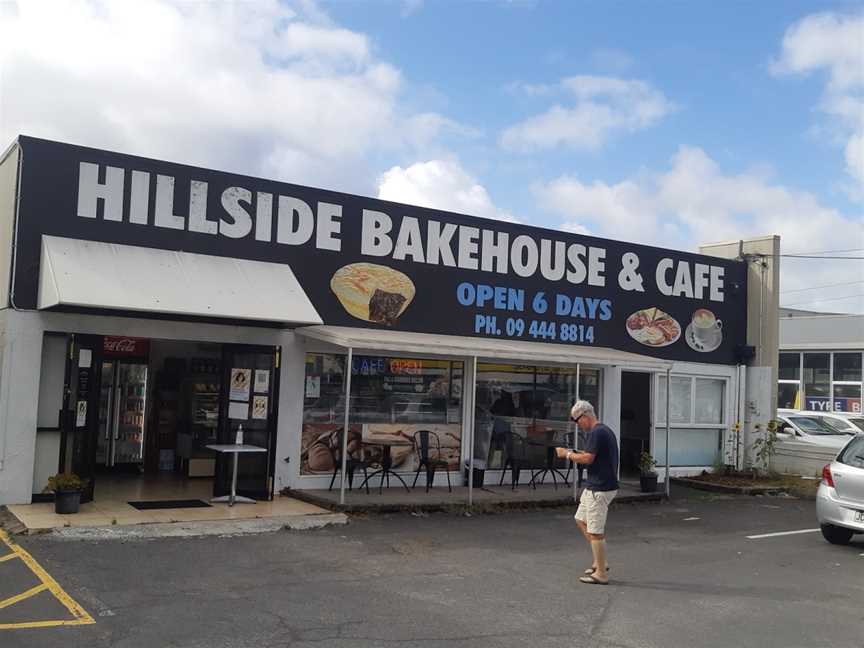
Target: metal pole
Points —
{"points": [[348, 365], [471, 388], [576, 438], [668, 396]]}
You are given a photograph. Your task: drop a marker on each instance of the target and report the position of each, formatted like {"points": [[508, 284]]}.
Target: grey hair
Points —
{"points": [[582, 408]]}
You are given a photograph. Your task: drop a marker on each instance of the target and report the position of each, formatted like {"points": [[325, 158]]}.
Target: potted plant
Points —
{"points": [[647, 474], [67, 489]]}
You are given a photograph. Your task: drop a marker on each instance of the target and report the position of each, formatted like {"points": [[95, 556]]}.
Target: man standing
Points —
{"points": [[601, 457]]}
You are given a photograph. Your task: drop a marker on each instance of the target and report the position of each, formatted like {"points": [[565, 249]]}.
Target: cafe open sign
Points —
{"points": [[405, 366], [125, 346]]}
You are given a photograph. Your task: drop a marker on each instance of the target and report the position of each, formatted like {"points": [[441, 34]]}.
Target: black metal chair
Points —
{"points": [[516, 457], [352, 463], [423, 444]]}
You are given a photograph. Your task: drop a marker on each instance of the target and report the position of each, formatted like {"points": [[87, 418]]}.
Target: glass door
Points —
{"points": [[81, 409], [249, 395]]}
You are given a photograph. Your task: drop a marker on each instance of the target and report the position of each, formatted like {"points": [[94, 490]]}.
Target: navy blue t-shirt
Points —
{"points": [[603, 472]]}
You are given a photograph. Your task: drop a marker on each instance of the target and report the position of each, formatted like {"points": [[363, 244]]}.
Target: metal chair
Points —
{"points": [[422, 446], [516, 457], [352, 463]]}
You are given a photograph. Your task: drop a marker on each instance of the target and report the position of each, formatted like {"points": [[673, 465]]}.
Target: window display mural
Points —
{"points": [[530, 402], [392, 399]]}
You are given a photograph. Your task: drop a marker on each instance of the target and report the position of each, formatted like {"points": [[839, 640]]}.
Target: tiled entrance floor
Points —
{"points": [[110, 505]]}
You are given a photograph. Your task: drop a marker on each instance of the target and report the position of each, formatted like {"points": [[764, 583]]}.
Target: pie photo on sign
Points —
{"points": [[652, 327], [372, 292]]}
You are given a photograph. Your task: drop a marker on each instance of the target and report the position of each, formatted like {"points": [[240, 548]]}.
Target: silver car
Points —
{"points": [[840, 498]]}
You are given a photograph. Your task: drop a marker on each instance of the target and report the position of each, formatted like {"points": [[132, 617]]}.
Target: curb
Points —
{"points": [[462, 507], [735, 490], [223, 528]]}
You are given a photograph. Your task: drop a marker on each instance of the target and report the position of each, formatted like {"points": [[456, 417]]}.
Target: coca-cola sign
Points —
{"points": [[125, 346]]}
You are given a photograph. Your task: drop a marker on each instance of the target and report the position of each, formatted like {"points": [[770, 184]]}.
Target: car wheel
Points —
{"points": [[836, 535]]}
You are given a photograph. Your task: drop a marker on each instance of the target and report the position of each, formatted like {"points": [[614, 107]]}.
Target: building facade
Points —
{"points": [[153, 309], [820, 361]]}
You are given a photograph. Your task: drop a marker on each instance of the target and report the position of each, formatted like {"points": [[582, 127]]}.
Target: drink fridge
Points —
{"points": [[122, 414]]}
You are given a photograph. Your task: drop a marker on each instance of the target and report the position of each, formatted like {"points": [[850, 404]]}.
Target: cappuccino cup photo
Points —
{"points": [[706, 326]]}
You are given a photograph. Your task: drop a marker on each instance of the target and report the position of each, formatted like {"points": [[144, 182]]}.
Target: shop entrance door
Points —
{"points": [[635, 419], [250, 392], [79, 422]]}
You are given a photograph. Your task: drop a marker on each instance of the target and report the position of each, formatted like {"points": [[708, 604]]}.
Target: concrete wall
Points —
{"points": [[822, 332], [805, 459], [763, 332], [8, 186]]}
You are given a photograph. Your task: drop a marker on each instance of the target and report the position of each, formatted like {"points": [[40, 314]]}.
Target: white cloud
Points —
{"points": [[833, 43], [410, 7], [254, 87], [695, 202], [601, 107], [439, 184]]}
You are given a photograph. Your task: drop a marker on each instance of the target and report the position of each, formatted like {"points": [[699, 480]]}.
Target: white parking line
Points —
{"points": [[780, 533]]}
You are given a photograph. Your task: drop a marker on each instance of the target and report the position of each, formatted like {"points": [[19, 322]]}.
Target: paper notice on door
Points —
{"points": [[262, 380], [240, 384], [313, 386], [85, 358], [81, 414], [238, 411], [259, 408]]}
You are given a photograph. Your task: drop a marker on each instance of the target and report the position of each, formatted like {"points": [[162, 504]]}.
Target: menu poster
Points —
{"points": [[238, 411], [259, 408], [313, 386], [81, 414], [241, 380], [262, 381]]}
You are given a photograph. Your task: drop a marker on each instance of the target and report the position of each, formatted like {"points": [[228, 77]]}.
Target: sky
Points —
{"points": [[663, 123]]}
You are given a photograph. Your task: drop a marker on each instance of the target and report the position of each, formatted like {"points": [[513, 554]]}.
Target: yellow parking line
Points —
{"points": [[81, 617], [8, 557], [12, 600], [40, 624]]}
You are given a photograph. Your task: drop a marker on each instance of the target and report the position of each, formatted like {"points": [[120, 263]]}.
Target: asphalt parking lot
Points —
{"points": [[684, 573]]}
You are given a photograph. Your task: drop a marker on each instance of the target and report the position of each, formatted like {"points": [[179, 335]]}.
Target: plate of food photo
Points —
{"points": [[652, 327]]}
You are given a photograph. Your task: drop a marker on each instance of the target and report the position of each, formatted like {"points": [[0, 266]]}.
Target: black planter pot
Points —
{"points": [[67, 501], [648, 483]]}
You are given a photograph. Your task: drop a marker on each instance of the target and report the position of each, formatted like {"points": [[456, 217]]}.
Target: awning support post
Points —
{"points": [[469, 391], [668, 393], [348, 366]]}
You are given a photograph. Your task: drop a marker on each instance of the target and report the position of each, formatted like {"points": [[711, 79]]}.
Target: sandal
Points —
{"points": [[590, 580], [591, 570]]}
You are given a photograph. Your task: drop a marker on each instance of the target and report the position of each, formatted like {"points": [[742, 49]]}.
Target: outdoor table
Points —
{"points": [[235, 449], [550, 442], [386, 461]]}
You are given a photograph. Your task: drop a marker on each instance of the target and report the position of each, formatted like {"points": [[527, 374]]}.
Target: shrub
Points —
{"points": [[66, 482]]}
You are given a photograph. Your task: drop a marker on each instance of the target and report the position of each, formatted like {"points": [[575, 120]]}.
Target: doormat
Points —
{"points": [[169, 504]]}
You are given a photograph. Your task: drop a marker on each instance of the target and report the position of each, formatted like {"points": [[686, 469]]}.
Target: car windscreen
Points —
{"points": [[857, 422], [853, 453], [813, 425], [838, 424]]}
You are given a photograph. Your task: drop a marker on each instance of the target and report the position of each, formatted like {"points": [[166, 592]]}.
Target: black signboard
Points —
{"points": [[371, 263]]}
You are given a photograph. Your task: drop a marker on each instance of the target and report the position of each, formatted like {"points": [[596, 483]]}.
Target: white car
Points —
{"points": [[855, 418], [840, 498], [809, 429], [841, 421]]}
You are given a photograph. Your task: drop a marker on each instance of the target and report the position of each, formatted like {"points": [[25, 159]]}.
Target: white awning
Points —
{"points": [[111, 276], [484, 348]]}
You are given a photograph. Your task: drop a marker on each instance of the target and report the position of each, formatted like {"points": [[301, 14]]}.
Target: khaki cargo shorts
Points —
{"points": [[593, 509]]}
